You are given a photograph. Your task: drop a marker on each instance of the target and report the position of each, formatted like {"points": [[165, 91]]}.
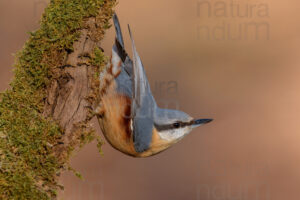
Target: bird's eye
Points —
{"points": [[176, 125]]}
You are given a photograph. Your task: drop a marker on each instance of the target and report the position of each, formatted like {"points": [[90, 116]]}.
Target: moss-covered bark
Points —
{"points": [[28, 164]]}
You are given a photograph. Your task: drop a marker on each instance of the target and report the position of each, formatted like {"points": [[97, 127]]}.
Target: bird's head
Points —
{"points": [[173, 125]]}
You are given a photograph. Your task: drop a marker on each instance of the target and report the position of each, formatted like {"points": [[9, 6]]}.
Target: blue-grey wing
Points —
{"points": [[133, 82], [143, 104], [142, 124], [124, 83]]}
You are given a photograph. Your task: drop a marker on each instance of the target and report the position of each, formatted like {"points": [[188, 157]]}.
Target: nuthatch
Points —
{"points": [[128, 115]]}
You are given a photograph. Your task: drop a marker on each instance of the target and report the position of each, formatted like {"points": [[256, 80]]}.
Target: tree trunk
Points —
{"points": [[71, 94], [46, 113]]}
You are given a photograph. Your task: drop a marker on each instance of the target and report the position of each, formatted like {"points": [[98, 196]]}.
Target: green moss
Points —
{"points": [[27, 165], [98, 58]]}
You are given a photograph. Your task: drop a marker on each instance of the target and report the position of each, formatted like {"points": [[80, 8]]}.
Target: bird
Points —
{"points": [[128, 115]]}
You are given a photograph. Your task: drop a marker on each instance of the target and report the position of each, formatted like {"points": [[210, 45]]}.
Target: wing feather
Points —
{"points": [[143, 104]]}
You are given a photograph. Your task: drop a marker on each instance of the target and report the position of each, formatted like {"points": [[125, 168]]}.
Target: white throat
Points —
{"points": [[174, 134]]}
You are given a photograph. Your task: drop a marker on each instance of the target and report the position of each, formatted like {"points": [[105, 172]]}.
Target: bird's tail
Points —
{"points": [[119, 42], [117, 61], [119, 35], [118, 56]]}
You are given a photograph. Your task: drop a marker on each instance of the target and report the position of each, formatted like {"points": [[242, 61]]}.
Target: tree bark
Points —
{"points": [[72, 93], [69, 95]]}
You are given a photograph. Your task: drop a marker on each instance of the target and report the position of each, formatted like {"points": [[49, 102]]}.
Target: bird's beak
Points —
{"points": [[200, 122]]}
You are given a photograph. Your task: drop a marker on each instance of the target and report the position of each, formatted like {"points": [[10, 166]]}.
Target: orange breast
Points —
{"points": [[116, 125]]}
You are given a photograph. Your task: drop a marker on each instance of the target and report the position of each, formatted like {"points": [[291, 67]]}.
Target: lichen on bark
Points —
{"points": [[39, 128]]}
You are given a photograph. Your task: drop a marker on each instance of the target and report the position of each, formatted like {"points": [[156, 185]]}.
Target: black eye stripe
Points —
{"points": [[164, 127]]}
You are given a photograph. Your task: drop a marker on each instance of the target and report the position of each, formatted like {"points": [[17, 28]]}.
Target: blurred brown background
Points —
{"points": [[249, 85]]}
